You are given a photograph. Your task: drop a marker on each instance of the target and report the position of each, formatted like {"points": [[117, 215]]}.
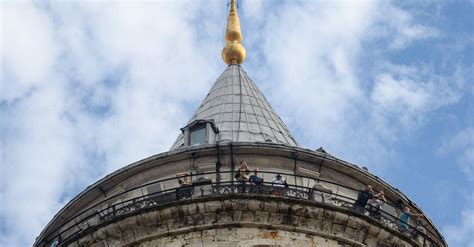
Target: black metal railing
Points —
{"points": [[135, 200]]}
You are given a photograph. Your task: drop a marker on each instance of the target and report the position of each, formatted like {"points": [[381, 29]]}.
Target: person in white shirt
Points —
{"points": [[279, 184]]}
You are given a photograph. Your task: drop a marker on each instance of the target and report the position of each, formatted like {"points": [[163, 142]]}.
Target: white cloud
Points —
{"points": [[403, 96], [400, 28], [86, 89], [392, 94], [28, 50], [461, 146], [317, 64], [461, 234]]}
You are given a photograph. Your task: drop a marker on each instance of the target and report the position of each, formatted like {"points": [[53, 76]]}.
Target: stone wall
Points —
{"points": [[244, 220]]}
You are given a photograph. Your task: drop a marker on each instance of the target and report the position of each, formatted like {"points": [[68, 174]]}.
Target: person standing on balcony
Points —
{"points": [[419, 230], [405, 217], [256, 182], [243, 172], [279, 185], [255, 179], [376, 204], [185, 185], [363, 198]]}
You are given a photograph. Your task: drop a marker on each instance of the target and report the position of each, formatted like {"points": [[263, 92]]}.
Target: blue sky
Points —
{"points": [[87, 88]]}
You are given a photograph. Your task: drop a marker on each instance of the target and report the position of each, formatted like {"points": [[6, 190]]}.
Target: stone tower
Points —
{"points": [[200, 193]]}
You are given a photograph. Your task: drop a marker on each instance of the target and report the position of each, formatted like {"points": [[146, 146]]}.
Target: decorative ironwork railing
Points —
{"points": [[135, 200]]}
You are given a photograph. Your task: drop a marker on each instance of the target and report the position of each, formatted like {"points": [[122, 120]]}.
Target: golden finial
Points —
{"points": [[233, 52]]}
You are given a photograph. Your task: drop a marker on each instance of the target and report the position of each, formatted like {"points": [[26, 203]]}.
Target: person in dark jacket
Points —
{"points": [[255, 179], [363, 198]]}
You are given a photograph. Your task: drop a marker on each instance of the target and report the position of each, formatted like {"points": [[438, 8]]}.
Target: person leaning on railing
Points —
{"points": [[419, 229], [255, 179], [376, 205], [185, 183], [279, 185], [242, 175], [244, 171], [184, 178], [362, 199], [404, 219], [256, 182]]}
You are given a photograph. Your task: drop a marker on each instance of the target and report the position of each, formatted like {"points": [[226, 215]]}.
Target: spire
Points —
{"points": [[233, 52], [234, 110], [240, 112]]}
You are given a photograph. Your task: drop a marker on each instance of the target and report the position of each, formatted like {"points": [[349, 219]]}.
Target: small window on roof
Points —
{"points": [[198, 135]]}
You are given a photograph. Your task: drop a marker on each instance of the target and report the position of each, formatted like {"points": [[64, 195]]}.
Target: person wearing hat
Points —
{"points": [[279, 185]]}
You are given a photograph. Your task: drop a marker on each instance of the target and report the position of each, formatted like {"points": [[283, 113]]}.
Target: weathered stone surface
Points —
{"points": [[350, 233], [140, 232], [147, 218], [237, 215], [255, 205], [113, 231], [326, 226], [241, 204], [271, 206], [165, 214], [128, 222], [209, 218], [85, 241], [99, 235], [212, 206], [383, 234], [99, 244], [242, 222], [340, 218], [248, 216], [128, 235], [374, 230], [371, 241], [316, 212], [315, 224], [261, 216], [224, 216], [353, 222], [338, 229], [303, 221], [222, 235], [327, 215]]}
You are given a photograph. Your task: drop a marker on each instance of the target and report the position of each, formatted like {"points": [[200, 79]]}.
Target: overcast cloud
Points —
{"points": [[87, 88]]}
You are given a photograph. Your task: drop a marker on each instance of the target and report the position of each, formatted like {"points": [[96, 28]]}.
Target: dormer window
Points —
{"points": [[197, 135], [199, 132]]}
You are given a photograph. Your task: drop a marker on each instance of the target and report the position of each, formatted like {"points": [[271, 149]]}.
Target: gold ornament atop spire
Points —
{"points": [[233, 52]]}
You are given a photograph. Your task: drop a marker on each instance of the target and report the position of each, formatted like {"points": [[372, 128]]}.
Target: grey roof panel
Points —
{"points": [[240, 111]]}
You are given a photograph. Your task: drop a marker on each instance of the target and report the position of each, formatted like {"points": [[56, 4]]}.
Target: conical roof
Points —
{"points": [[240, 112]]}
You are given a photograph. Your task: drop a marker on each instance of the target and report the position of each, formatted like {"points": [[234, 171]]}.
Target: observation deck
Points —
{"points": [[144, 202]]}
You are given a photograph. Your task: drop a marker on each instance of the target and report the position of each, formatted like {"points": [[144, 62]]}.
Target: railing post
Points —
{"points": [[218, 165], [194, 155], [232, 165], [295, 158]]}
